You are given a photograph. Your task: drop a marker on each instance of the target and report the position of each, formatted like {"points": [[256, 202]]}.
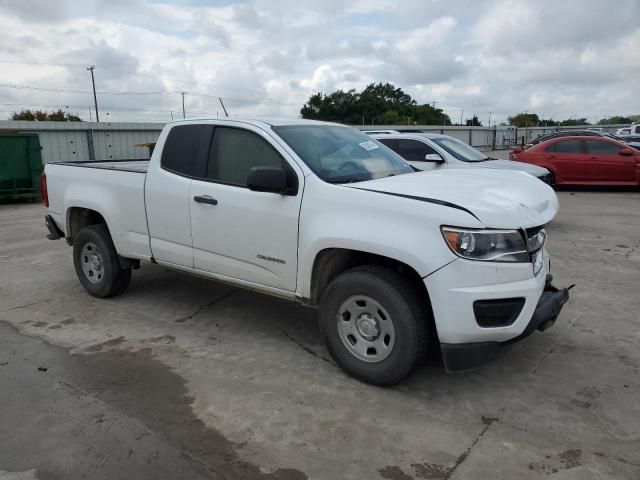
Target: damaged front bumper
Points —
{"points": [[462, 357]]}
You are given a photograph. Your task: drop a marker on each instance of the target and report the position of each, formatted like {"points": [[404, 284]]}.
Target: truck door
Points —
{"points": [[239, 233], [167, 187]]}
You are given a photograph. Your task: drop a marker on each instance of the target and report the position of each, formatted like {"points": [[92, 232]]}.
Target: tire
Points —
{"points": [[375, 308], [97, 264]]}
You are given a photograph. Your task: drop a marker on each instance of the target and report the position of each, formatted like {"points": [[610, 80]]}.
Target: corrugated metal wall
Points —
{"points": [[483, 137], [73, 141], [85, 141]]}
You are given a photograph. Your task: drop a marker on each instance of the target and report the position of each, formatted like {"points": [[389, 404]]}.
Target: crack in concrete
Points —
{"points": [[555, 344], [205, 306], [46, 300], [464, 455], [633, 249], [305, 348]]}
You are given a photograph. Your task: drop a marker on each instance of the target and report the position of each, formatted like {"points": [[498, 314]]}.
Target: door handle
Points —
{"points": [[205, 199]]}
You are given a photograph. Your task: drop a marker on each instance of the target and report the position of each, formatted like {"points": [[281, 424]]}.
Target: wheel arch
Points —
{"points": [[331, 262], [80, 217]]}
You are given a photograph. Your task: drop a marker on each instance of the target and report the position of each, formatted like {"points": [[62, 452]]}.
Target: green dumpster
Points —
{"points": [[20, 166]]}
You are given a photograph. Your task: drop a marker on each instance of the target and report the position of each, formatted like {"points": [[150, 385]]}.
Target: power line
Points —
{"points": [[141, 74], [133, 93], [104, 107], [45, 63], [71, 90], [245, 100]]}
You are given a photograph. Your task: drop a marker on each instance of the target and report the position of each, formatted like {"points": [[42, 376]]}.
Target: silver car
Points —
{"points": [[431, 151]]}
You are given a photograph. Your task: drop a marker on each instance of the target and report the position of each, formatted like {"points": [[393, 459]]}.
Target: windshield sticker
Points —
{"points": [[368, 146]]}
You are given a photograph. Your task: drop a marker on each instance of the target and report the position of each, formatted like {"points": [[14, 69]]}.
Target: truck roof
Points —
{"points": [[382, 133], [258, 122]]}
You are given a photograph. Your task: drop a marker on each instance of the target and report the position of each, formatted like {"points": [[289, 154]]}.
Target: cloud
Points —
{"points": [[37, 10], [266, 58]]}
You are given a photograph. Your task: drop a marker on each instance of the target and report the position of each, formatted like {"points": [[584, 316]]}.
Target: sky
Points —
{"points": [[560, 59]]}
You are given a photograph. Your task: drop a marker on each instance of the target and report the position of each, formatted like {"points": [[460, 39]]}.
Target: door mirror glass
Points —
{"points": [[626, 152], [433, 157], [268, 179]]}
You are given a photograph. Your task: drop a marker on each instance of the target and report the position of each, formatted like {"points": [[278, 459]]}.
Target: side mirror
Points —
{"points": [[516, 150], [627, 152], [433, 157], [268, 179]]}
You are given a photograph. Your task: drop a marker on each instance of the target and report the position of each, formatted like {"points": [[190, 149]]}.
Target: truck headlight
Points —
{"points": [[487, 245]]}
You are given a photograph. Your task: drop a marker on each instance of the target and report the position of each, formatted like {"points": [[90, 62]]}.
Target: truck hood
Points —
{"points": [[505, 199]]}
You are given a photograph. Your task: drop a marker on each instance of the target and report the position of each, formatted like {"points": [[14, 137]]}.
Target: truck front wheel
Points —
{"points": [[373, 321], [97, 264]]}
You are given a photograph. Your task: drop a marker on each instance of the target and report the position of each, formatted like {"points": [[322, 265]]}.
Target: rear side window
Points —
{"points": [[186, 148], [566, 146], [235, 152], [388, 142], [413, 150], [596, 147]]}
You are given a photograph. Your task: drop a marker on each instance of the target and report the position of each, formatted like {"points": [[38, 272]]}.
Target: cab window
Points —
{"points": [[185, 150], [234, 152]]}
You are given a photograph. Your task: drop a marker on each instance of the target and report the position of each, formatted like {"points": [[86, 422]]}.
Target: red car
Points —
{"points": [[583, 160]]}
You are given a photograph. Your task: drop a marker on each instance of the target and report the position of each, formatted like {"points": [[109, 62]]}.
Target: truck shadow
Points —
{"points": [[238, 316]]}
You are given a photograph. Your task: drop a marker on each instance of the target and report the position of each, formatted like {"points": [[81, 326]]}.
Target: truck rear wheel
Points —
{"points": [[97, 264], [374, 324]]}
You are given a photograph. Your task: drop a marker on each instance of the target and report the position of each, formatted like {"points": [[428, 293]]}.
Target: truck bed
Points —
{"points": [[138, 166], [114, 189]]}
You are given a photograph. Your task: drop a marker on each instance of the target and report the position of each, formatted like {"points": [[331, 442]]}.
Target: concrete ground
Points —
{"points": [[186, 378]]}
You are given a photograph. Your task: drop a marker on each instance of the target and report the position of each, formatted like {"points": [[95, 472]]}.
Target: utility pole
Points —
{"points": [[461, 113], [93, 82], [183, 112]]}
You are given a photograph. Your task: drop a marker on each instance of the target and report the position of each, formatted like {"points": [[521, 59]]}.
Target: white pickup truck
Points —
{"points": [[398, 262]]}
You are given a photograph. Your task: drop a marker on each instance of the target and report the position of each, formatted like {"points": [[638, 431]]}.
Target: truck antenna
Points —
{"points": [[223, 107]]}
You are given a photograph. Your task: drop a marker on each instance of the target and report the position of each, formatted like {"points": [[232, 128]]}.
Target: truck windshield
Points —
{"points": [[342, 154], [460, 150]]}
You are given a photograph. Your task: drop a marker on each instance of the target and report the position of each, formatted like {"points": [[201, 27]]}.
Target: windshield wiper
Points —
{"points": [[344, 179]]}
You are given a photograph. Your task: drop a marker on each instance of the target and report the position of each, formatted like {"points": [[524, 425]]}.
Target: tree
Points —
{"points": [[41, 116], [378, 103], [429, 115], [473, 122], [617, 119], [524, 120], [574, 122], [548, 122]]}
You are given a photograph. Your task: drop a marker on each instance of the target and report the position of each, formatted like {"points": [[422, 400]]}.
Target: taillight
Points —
{"points": [[43, 190]]}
